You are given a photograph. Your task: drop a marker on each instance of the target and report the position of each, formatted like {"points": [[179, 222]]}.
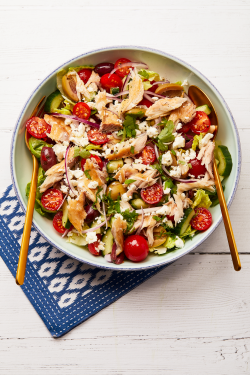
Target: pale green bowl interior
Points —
{"points": [[168, 67]]}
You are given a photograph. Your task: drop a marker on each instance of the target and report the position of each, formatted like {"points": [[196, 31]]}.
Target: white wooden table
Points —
{"points": [[193, 317]]}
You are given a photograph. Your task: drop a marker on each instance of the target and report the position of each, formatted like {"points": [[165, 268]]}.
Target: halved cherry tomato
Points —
{"points": [[97, 159], [185, 128], [93, 246], [148, 155], [38, 127], [197, 169], [202, 219], [136, 248], [153, 88], [152, 194], [52, 199], [96, 137], [109, 81], [57, 222], [170, 217], [85, 74], [82, 110], [145, 102], [200, 123], [122, 72]]}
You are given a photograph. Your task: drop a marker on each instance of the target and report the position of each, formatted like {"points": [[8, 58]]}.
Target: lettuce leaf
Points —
{"points": [[146, 85], [189, 233], [170, 243], [149, 75], [201, 199], [36, 146]]}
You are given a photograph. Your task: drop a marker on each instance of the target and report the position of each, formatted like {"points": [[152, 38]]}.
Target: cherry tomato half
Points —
{"points": [[122, 72], [148, 155], [197, 169], [152, 194], [93, 246], [202, 219], [200, 123], [96, 158], [136, 248], [57, 222], [38, 127], [109, 81], [52, 199], [82, 110], [170, 217], [146, 102], [96, 137], [85, 74]]}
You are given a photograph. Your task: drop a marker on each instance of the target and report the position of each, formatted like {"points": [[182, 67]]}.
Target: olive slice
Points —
{"points": [[115, 189], [168, 87], [69, 87]]}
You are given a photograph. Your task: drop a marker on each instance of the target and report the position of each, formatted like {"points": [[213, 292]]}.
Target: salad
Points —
{"points": [[126, 161]]}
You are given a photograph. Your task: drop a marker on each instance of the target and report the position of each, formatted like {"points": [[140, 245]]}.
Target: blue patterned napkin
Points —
{"points": [[63, 291]]}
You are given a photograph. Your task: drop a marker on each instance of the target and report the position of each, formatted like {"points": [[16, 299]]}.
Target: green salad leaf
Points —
{"points": [[201, 199], [36, 146], [149, 75]]}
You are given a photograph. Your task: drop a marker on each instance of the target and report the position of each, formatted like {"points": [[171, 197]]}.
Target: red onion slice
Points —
{"points": [[107, 257], [66, 172], [142, 220], [63, 201], [160, 82], [156, 152], [65, 233], [154, 94], [97, 227], [107, 109], [93, 124], [148, 98], [126, 81], [121, 93], [131, 65], [112, 97], [177, 179]]}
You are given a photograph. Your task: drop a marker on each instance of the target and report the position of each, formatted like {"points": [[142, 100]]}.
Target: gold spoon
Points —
{"points": [[20, 273], [200, 98]]}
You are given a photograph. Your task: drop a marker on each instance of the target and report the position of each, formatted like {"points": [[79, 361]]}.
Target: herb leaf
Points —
{"points": [[129, 181], [87, 174], [132, 149], [166, 135], [130, 217]]}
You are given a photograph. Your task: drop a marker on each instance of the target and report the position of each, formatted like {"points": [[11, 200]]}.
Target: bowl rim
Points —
{"points": [[140, 266]]}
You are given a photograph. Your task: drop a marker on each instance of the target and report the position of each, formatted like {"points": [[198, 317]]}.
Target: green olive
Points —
{"points": [[116, 189], [168, 87], [69, 87]]}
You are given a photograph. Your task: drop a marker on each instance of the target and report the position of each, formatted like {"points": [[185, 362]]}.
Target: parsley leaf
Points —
{"points": [[132, 149], [98, 197], [93, 111], [161, 146], [112, 206], [173, 152], [129, 181], [87, 174], [129, 127], [130, 217], [157, 218], [166, 135]]}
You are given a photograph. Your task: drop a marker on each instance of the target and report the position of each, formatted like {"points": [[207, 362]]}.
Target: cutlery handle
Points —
{"points": [[227, 222], [20, 274]]}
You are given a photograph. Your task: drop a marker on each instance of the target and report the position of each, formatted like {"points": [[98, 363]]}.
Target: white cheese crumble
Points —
{"points": [[175, 172], [143, 126], [125, 197], [77, 173], [179, 142], [101, 246], [138, 132], [164, 210], [189, 155], [59, 150], [179, 242], [185, 83], [64, 189], [93, 185], [79, 136], [167, 158], [152, 132], [167, 190], [204, 141], [128, 161], [118, 216], [179, 126], [91, 237]]}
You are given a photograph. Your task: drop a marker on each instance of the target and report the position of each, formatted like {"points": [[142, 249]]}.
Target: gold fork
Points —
{"points": [[20, 273]]}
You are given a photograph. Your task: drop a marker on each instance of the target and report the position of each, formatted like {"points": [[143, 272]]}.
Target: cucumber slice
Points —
{"points": [[138, 203], [182, 226], [225, 161], [114, 90], [53, 102], [113, 165], [108, 240], [204, 108], [65, 219]]}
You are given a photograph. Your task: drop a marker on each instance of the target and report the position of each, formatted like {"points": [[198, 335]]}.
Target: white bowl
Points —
{"points": [[169, 67]]}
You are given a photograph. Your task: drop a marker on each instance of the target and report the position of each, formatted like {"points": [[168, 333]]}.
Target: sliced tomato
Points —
{"points": [[185, 128], [197, 169], [52, 199], [122, 72], [97, 159], [109, 81], [96, 137], [202, 219], [57, 222], [93, 246], [38, 127], [82, 110], [152, 194], [148, 155], [200, 123], [85, 74], [146, 102]]}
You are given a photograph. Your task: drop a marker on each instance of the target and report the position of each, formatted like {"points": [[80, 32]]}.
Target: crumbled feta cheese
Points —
{"points": [[93, 185], [77, 173], [138, 132], [152, 132], [167, 190], [164, 210], [179, 142], [79, 136], [175, 172], [179, 126], [59, 150], [185, 83], [128, 161], [204, 141], [138, 161], [67, 121], [167, 158], [64, 189], [118, 216], [179, 242], [132, 186], [155, 98], [108, 151], [143, 126], [91, 237], [101, 246], [125, 197], [189, 155]]}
